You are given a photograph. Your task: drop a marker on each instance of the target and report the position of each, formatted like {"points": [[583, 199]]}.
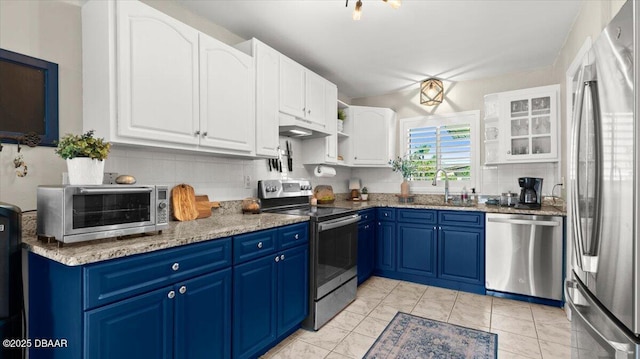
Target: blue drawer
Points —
{"points": [[253, 245], [110, 281], [294, 235], [386, 214], [461, 218], [367, 214], [422, 216]]}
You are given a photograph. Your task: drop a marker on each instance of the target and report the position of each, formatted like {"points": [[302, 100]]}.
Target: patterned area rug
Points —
{"points": [[411, 337]]}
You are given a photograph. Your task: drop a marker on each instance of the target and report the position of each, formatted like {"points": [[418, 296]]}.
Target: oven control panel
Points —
{"points": [[284, 188]]}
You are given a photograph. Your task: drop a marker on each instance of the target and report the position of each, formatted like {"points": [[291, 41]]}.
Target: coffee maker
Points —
{"points": [[530, 193]]}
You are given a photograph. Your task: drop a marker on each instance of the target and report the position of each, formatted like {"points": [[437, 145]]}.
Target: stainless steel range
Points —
{"points": [[333, 246]]}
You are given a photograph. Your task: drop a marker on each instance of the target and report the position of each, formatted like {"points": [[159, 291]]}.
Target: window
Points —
{"points": [[449, 142]]}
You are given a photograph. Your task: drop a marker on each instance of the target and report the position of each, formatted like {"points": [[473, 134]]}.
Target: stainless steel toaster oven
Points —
{"points": [[74, 213]]}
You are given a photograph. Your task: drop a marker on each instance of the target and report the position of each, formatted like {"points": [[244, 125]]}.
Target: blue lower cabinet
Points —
{"points": [[189, 320], [139, 327], [254, 306], [270, 298], [202, 324], [366, 250], [385, 246], [416, 246], [461, 254], [293, 288]]}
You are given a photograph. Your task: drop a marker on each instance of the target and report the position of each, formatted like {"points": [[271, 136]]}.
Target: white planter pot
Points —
{"points": [[85, 171], [364, 196]]}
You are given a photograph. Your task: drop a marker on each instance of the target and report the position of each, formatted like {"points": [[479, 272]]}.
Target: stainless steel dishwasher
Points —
{"points": [[524, 255]]}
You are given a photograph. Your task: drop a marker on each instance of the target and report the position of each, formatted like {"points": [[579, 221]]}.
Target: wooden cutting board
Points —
{"points": [[203, 206], [183, 203]]}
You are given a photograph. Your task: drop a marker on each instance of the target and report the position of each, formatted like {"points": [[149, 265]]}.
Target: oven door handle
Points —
{"points": [[86, 190], [340, 222]]}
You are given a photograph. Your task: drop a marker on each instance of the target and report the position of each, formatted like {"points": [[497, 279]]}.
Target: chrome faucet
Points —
{"points": [[446, 183]]}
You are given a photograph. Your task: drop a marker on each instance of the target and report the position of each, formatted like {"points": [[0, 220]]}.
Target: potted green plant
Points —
{"points": [[364, 194], [85, 155], [342, 115], [407, 167]]}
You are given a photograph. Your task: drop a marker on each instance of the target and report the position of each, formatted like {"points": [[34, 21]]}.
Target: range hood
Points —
{"points": [[291, 126]]}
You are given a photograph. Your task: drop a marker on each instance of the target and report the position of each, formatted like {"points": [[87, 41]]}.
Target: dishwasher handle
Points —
{"points": [[532, 222]]}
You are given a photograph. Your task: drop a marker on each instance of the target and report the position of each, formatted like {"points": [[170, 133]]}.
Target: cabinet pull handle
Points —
{"points": [[197, 133], [282, 257], [183, 289], [171, 294], [296, 236], [259, 245], [175, 266], [277, 259]]}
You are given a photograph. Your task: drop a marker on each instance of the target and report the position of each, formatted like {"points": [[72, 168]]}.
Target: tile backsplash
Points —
{"points": [[220, 178]]}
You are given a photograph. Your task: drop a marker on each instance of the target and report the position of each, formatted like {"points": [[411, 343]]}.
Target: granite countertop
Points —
{"points": [[178, 234], [436, 202], [224, 223]]}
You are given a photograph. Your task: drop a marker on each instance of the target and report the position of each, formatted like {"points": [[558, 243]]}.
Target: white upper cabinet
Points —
{"points": [[151, 80], [324, 149], [315, 105], [372, 135], [157, 75], [522, 126], [227, 115], [292, 90], [302, 92], [267, 107]]}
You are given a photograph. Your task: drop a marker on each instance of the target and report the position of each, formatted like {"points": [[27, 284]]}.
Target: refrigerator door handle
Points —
{"points": [[587, 258], [575, 158], [622, 350]]}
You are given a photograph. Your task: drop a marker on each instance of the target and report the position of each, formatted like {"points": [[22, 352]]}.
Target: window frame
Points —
{"points": [[51, 101], [470, 117]]}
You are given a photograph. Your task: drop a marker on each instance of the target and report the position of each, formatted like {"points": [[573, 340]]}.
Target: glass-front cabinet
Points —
{"points": [[525, 126]]}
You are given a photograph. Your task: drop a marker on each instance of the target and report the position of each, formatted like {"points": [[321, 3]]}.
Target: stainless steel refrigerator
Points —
{"points": [[604, 291]]}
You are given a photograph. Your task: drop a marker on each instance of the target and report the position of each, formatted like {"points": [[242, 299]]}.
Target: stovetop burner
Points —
{"points": [[291, 196], [318, 213]]}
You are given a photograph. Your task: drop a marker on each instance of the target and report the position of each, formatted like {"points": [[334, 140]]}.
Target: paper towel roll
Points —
{"points": [[324, 171]]}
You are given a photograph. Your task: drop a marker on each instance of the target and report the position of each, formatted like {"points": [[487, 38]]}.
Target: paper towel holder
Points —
{"points": [[324, 171]]}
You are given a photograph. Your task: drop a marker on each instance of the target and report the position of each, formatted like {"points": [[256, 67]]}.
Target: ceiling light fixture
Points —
{"points": [[431, 92], [357, 12]]}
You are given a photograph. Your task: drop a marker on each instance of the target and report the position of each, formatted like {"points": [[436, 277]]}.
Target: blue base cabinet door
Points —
{"points": [[203, 317], [366, 250], [416, 249], [386, 246], [254, 306], [461, 254], [293, 288], [140, 327]]}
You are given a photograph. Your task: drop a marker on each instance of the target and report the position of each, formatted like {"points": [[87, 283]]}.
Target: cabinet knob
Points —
{"points": [[355, 158], [197, 133], [282, 257], [277, 259], [259, 244], [309, 111], [183, 289], [509, 152], [296, 236], [171, 294], [434, 228], [386, 214], [175, 266], [204, 134]]}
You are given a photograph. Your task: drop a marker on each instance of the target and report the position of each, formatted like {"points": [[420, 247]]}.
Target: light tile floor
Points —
{"points": [[524, 330]]}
